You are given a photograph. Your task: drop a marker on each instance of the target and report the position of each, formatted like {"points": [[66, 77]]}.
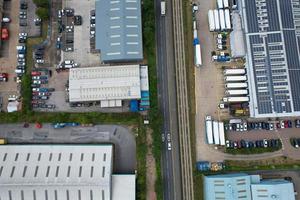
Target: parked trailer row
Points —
{"points": [[215, 133], [219, 20], [235, 78], [235, 99], [234, 72], [222, 4]]}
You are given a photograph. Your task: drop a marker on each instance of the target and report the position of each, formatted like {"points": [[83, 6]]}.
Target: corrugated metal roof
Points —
{"points": [[118, 30], [52, 172], [104, 83]]}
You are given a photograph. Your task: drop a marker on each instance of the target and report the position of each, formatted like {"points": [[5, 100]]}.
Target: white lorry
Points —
{"points": [[216, 132], [209, 129], [227, 72], [211, 20], [163, 8], [235, 99], [236, 92], [235, 78], [235, 85], [222, 133]]}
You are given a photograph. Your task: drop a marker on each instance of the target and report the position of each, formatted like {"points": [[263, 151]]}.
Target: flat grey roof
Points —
{"points": [[273, 44], [118, 30], [55, 172]]}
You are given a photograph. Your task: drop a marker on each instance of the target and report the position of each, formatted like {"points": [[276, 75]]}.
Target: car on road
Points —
{"points": [[163, 137], [169, 137], [169, 146]]}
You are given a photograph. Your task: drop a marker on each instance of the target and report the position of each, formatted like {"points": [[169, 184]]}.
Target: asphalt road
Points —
{"points": [[167, 98], [121, 137]]}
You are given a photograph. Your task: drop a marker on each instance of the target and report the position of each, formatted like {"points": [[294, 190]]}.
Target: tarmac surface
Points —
{"points": [[121, 137]]}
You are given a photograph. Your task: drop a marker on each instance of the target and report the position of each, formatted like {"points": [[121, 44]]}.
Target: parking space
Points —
{"points": [[8, 52], [82, 53]]}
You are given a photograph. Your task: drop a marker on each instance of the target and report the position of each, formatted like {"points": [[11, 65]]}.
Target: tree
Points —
{"points": [[41, 3], [43, 13]]}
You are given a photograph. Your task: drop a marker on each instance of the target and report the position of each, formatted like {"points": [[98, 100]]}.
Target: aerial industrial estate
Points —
{"points": [[147, 100]]}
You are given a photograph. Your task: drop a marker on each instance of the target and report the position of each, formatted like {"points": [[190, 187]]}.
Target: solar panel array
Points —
{"points": [[273, 37]]}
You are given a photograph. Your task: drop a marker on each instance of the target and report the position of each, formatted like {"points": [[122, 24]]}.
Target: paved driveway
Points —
{"points": [[121, 137]]}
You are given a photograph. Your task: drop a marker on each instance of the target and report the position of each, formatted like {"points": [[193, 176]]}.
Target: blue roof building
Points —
{"points": [[273, 190], [242, 186], [119, 30]]}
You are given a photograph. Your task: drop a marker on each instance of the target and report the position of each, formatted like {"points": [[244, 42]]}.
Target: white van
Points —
{"points": [[5, 19], [20, 71]]}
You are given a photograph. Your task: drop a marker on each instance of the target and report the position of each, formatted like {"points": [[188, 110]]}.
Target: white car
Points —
{"points": [[163, 137], [169, 137], [5, 19], [20, 56], [265, 143], [245, 126], [169, 146], [23, 35], [92, 32], [271, 126], [281, 124], [69, 49], [35, 89], [40, 61], [69, 62], [37, 82], [227, 143], [35, 78], [93, 25]]}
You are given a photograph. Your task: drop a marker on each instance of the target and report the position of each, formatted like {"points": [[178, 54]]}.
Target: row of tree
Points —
{"points": [[42, 10]]}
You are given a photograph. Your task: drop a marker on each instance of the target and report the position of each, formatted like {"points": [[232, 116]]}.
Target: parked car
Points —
{"points": [[77, 20], [6, 19], [37, 21], [40, 61], [297, 123], [35, 73], [69, 12], [265, 143], [4, 34]]}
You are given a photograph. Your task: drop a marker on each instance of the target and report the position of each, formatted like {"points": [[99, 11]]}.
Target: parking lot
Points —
{"points": [[31, 28], [8, 59], [283, 134], [82, 51]]}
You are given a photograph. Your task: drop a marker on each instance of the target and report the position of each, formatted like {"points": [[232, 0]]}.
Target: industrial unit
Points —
{"points": [[65, 172], [272, 31], [109, 84], [119, 31], [247, 187]]}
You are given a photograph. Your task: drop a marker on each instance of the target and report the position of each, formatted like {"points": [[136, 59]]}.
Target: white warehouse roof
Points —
{"points": [[60, 172], [105, 83], [144, 78]]}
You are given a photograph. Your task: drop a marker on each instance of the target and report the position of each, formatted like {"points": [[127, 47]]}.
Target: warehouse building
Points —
{"points": [[109, 85], [247, 187], [273, 44], [61, 172], [118, 30]]}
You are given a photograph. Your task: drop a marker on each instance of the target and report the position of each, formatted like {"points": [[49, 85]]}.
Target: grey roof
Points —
{"points": [[118, 30], [273, 40], [61, 172]]}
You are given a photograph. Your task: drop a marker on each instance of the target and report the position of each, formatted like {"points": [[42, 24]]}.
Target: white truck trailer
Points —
{"points": [[235, 78], [216, 132], [236, 92], [211, 20], [163, 8], [220, 4], [234, 72], [235, 99], [209, 130], [217, 20], [235, 85], [222, 133], [227, 19], [225, 3], [222, 20]]}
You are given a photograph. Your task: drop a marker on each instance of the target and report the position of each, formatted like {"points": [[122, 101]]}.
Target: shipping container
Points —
{"points": [[222, 133], [236, 85], [217, 21], [220, 4], [234, 72], [209, 130], [211, 20], [236, 99], [225, 4], [235, 78], [236, 92], [216, 132], [222, 20], [227, 19]]}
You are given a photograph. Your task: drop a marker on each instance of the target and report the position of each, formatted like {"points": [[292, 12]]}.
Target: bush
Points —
{"points": [[42, 3], [42, 13]]}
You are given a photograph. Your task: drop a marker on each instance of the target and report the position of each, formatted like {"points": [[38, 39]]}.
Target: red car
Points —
{"points": [[3, 76], [4, 34], [35, 93], [34, 73]]}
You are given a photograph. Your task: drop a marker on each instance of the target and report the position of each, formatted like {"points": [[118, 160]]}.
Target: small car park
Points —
{"points": [[272, 143]]}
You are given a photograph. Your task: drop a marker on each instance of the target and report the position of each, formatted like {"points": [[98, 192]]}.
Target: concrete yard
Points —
{"points": [[121, 137], [82, 54]]}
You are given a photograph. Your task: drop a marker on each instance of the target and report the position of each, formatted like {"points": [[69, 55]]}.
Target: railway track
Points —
{"points": [[182, 103]]}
